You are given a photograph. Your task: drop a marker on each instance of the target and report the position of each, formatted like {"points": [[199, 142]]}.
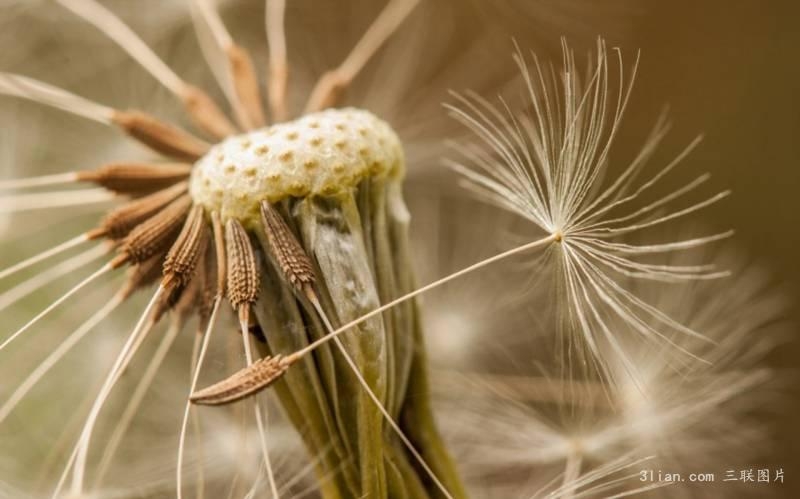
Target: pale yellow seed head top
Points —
{"points": [[326, 153]]}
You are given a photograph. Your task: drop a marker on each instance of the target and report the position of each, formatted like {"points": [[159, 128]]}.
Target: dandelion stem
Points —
{"points": [[111, 26], [244, 96], [197, 103], [37, 91], [49, 275], [75, 241], [328, 89], [143, 327], [572, 471], [543, 389], [77, 460], [196, 426], [307, 469], [214, 22]]}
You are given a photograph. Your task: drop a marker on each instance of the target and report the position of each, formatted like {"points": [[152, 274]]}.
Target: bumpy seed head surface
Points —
{"points": [[322, 153]]}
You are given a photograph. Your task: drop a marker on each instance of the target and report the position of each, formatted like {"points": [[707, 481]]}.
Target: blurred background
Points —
{"points": [[731, 71]]}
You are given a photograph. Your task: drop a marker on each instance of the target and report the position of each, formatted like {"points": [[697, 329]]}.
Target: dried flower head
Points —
{"points": [[300, 225]]}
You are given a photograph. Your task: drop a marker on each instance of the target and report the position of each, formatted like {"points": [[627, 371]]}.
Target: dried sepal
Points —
{"points": [[294, 263], [243, 277], [244, 383], [136, 178], [160, 136]]}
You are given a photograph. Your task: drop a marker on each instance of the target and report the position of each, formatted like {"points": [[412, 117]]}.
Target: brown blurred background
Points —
{"points": [[731, 70]]}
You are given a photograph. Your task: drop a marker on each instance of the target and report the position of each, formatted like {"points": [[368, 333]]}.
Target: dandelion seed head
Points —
{"points": [[323, 153]]}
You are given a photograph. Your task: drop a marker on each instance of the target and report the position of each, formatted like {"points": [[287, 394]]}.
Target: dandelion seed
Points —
{"points": [[684, 412], [546, 164]]}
